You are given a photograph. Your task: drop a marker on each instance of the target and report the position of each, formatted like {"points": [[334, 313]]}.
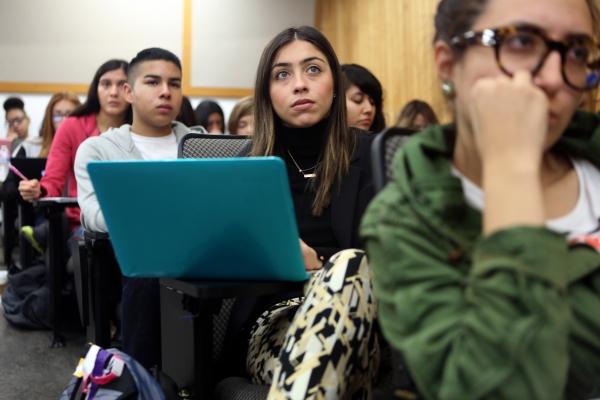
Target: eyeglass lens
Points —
{"points": [[11, 122], [526, 50], [59, 117]]}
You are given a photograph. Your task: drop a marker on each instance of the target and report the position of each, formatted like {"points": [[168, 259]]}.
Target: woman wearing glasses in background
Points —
{"points": [[485, 248], [17, 120], [61, 105]]}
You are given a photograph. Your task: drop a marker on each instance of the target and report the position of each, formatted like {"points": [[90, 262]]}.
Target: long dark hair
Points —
{"points": [[367, 83], [205, 109], [340, 142], [92, 102], [186, 113]]}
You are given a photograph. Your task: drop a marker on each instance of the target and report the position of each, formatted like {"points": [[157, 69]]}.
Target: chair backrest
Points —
{"points": [[383, 150], [198, 145]]}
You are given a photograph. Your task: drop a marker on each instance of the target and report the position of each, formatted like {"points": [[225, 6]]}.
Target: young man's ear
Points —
{"points": [[444, 61], [127, 89]]}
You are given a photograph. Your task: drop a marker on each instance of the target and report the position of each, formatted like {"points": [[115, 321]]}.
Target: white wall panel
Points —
{"points": [[228, 37], [65, 41]]}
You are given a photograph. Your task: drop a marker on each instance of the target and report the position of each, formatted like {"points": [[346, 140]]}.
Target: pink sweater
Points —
{"points": [[71, 133]]}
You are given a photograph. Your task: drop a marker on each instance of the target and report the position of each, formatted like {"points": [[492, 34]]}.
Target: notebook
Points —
{"points": [[32, 168], [221, 219]]}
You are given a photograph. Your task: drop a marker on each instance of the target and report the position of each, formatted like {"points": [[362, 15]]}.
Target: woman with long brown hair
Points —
{"points": [[300, 116], [104, 107]]}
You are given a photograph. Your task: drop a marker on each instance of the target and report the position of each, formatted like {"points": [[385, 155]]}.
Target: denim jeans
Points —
{"points": [[140, 322]]}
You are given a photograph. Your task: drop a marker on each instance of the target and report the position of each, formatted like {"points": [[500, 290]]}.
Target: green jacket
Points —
{"points": [[512, 315]]}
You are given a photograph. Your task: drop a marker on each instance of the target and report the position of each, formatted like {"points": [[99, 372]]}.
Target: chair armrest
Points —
{"points": [[227, 289]]}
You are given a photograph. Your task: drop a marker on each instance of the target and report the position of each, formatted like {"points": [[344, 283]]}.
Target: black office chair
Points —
{"points": [[399, 384], [384, 148], [205, 145]]}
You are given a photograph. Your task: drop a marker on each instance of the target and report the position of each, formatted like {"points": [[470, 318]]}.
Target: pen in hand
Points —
{"points": [[19, 174]]}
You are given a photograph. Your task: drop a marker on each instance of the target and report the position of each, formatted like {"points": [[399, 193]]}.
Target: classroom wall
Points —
{"points": [[49, 46], [393, 39]]}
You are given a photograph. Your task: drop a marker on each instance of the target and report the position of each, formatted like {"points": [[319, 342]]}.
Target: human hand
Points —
{"points": [[30, 190], [509, 117], [11, 134], [311, 261]]}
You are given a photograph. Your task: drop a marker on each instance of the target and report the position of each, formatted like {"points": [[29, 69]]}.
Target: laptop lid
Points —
{"points": [[32, 168], [222, 219]]}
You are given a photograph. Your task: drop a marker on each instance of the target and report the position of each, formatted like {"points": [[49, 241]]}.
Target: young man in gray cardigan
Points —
{"points": [[154, 90]]}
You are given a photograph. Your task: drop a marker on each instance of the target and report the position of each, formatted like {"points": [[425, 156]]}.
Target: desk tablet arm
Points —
{"points": [[57, 202]]}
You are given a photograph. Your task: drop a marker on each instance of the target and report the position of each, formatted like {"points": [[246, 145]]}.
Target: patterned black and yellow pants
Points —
{"points": [[321, 346]]}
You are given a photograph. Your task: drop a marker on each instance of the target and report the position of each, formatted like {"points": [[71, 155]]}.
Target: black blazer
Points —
{"points": [[348, 204], [349, 200]]}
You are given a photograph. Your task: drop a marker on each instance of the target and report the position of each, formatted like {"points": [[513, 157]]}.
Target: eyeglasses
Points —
{"points": [[11, 122], [59, 117], [526, 48]]}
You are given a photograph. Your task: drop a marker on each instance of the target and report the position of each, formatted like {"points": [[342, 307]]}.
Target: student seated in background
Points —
{"points": [[322, 336], [210, 116], [153, 89], [485, 248], [364, 98], [17, 120], [60, 106], [416, 114], [241, 118], [104, 107]]}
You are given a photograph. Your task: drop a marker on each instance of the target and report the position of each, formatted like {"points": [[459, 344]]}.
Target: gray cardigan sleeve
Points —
{"points": [[91, 215]]}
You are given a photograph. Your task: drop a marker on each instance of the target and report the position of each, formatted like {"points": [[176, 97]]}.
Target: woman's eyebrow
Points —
{"points": [[579, 36], [568, 36], [288, 64]]}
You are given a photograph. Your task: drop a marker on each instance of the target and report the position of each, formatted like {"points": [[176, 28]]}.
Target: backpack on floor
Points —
{"points": [[25, 298], [113, 375]]}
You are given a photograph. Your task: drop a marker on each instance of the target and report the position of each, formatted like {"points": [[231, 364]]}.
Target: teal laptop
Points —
{"points": [[215, 219]]}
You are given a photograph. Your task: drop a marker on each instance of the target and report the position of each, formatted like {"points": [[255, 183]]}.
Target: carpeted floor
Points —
{"points": [[29, 369]]}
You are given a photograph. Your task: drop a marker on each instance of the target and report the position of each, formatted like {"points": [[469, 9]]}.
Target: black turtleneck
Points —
{"points": [[305, 144]]}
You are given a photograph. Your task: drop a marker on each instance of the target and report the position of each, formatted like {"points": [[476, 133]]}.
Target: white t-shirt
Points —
{"points": [[584, 218], [156, 148]]}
